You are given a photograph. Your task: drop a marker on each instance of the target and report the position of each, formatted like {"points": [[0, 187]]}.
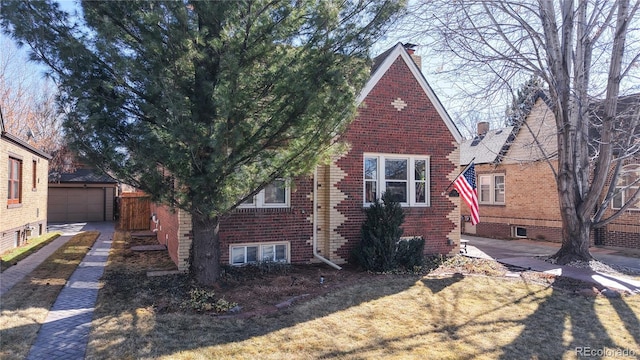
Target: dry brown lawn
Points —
{"points": [[463, 309], [25, 307], [13, 256]]}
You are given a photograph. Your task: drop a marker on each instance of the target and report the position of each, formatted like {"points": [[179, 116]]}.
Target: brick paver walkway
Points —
{"points": [[65, 331]]}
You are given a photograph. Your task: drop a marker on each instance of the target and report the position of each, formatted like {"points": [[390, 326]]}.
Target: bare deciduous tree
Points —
{"points": [[27, 100], [584, 51]]}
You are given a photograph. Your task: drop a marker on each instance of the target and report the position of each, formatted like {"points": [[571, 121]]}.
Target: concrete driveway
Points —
{"points": [[505, 249], [67, 229]]}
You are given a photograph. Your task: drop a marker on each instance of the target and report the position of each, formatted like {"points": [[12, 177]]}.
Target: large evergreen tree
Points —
{"points": [[203, 103]]}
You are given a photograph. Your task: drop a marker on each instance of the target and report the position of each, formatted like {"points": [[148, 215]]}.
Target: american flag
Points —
{"points": [[466, 186]]}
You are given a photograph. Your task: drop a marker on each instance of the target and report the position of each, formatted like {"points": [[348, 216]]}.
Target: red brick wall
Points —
{"points": [[503, 231], [379, 128], [416, 130], [293, 224], [622, 239], [167, 228], [532, 202], [624, 231]]}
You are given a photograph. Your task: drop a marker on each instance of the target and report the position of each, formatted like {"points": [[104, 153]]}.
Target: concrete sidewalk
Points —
{"points": [[523, 253]]}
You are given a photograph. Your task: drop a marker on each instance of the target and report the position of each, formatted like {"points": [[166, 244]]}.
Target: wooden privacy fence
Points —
{"points": [[135, 211]]}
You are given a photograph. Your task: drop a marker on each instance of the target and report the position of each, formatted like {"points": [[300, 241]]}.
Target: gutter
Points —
{"points": [[315, 223]]}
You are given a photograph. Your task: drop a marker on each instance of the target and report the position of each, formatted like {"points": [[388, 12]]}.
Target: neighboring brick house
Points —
{"points": [[401, 140], [517, 190], [23, 185]]}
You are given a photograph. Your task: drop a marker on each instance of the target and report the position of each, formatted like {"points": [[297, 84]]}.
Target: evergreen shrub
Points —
{"points": [[380, 248]]}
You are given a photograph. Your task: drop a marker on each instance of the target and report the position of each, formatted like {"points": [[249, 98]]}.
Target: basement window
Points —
{"points": [[253, 253], [519, 232]]}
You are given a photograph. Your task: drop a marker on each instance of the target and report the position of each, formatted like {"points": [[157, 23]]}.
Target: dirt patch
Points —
{"points": [[258, 291]]}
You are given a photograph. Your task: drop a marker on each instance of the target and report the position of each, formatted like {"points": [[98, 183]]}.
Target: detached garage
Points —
{"points": [[81, 196]]}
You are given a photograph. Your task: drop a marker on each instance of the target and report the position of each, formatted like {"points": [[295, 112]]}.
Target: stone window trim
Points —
{"points": [[407, 175]]}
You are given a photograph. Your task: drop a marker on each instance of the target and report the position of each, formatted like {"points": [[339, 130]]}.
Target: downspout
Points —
{"points": [[315, 223]]}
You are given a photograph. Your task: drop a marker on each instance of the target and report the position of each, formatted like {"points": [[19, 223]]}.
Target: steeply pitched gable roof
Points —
{"points": [[493, 146], [383, 62]]}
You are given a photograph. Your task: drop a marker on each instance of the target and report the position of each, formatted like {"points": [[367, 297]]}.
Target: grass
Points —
{"points": [[472, 315], [13, 256], [26, 305]]}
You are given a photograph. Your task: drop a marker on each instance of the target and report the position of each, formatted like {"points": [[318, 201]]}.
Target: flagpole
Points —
{"points": [[461, 172]]}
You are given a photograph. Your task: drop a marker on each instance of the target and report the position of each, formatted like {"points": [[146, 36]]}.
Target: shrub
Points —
{"points": [[204, 300], [380, 234], [409, 253]]}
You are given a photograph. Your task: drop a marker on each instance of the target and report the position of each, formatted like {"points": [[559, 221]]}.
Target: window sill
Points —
{"points": [[262, 209], [14, 206], [404, 206]]}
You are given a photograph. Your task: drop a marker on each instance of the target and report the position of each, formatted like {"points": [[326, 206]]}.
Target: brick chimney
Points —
{"points": [[411, 49], [483, 128]]}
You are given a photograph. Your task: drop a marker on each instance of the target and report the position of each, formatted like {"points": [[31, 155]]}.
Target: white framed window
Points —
{"points": [[626, 187], [275, 195], [406, 177], [491, 189], [252, 253], [518, 232]]}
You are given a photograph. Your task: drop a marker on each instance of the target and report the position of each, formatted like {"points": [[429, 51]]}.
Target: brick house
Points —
{"points": [[23, 185], [517, 190], [401, 140]]}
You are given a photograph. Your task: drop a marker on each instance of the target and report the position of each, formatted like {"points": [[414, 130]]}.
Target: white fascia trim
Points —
{"points": [[399, 50]]}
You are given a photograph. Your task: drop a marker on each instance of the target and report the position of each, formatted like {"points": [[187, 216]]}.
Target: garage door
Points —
{"points": [[76, 205]]}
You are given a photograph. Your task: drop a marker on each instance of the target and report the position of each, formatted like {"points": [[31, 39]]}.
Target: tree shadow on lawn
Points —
{"points": [[565, 324], [440, 283], [172, 332], [562, 324], [130, 325], [628, 317]]}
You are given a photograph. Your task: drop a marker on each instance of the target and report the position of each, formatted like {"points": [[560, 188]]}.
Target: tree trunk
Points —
{"points": [[575, 241], [205, 249]]}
